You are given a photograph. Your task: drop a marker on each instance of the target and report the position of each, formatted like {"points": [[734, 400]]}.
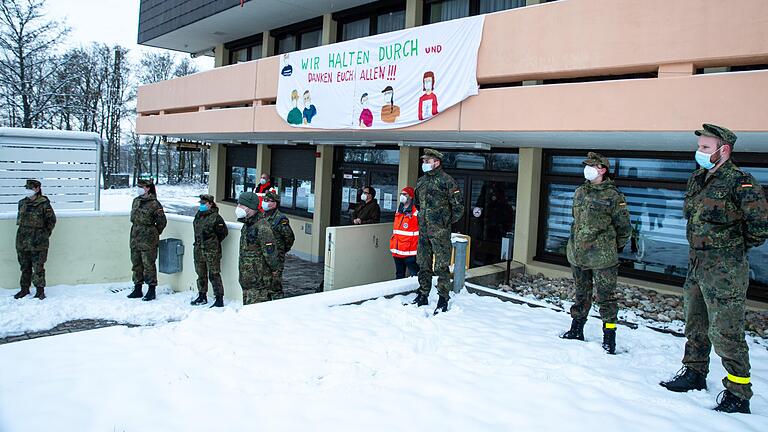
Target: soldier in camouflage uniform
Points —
{"points": [[284, 238], [599, 231], [727, 214], [259, 260], [440, 205], [36, 220], [148, 222], [210, 230]]}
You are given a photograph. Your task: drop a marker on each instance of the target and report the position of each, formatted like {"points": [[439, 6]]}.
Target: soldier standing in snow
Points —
{"points": [[148, 222], [259, 260], [210, 230], [727, 214], [284, 238], [36, 220], [600, 229]]}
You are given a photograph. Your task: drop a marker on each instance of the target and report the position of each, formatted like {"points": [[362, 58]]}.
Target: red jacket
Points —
{"points": [[405, 233]]}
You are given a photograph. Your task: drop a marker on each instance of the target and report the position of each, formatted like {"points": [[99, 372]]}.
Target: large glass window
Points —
{"points": [[299, 36], [371, 19], [444, 10], [244, 50], [654, 187], [293, 173], [355, 29], [241, 173], [357, 168]]}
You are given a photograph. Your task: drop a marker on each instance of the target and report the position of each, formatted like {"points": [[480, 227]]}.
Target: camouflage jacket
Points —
{"points": [[600, 226], [148, 219], [36, 220], [281, 227], [257, 240], [210, 229], [728, 209], [439, 201]]}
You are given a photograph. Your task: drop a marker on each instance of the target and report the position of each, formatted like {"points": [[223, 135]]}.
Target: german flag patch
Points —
{"points": [[746, 185]]}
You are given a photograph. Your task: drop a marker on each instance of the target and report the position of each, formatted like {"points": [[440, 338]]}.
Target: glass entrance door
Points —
{"points": [[352, 180]]}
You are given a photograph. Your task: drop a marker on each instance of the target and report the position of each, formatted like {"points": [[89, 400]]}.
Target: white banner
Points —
{"points": [[385, 81]]}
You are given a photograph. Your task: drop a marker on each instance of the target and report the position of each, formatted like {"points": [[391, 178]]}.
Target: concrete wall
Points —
{"points": [[358, 254]]}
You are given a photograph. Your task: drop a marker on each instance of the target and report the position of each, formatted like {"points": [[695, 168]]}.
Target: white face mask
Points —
{"points": [[265, 206], [140, 191], [403, 199], [240, 212], [591, 173], [363, 197], [31, 193], [426, 167], [263, 181]]}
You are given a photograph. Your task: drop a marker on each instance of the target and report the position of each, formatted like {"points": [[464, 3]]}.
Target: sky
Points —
{"points": [[108, 21]]}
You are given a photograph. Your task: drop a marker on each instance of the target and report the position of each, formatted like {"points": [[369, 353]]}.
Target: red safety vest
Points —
{"points": [[405, 234]]}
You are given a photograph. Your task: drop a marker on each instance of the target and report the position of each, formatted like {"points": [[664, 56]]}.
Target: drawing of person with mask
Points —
{"points": [[309, 109], [294, 115], [389, 112], [428, 101], [366, 116]]}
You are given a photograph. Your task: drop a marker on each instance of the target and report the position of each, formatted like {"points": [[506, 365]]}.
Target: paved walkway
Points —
{"points": [[299, 278]]}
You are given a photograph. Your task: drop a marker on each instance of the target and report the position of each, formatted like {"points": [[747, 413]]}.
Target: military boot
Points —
{"points": [[219, 301], [686, 379], [420, 300], [40, 293], [442, 305], [150, 293], [609, 340], [202, 298], [577, 330], [21, 294], [136, 293], [730, 403]]}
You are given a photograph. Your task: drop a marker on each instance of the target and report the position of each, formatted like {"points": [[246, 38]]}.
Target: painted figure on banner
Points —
{"points": [[366, 116], [309, 109], [294, 116], [428, 101], [389, 112]]}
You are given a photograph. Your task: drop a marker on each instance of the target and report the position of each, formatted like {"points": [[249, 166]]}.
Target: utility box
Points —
{"points": [[171, 255], [506, 246]]}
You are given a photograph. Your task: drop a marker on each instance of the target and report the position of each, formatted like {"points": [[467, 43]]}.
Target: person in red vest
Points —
{"points": [[264, 185], [405, 235]]}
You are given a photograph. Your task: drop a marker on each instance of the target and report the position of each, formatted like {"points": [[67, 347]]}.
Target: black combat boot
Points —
{"points": [[420, 300], [202, 298], [576, 331], [442, 305], [21, 294], [150, 293], [730, 403], [136, 293], [219, 301], [609, 340], [40, 293], [686, 379]]}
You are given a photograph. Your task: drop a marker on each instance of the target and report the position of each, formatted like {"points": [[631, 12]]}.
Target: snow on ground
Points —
{"points": [[179, 199], [298, 365], [103, 301]]}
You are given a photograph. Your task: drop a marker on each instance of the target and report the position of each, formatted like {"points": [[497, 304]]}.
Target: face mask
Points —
{"points": [[364, 197], [426, 167], [203, 208], [263, 181], [31, 193], [428, 85], [591, 173], [240, 212], [703, 159], [403, 199], [140, 191], [265, 205]]}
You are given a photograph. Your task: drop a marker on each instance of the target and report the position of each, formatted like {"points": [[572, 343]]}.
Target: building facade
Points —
{"points": [[557, 79]]}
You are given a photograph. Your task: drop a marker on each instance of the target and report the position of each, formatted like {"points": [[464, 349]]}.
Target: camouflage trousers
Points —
{"points": [[32, 265], [208, 266], [714, 296], [143, 266], [257, 281], [434, 243], [603, 282]]}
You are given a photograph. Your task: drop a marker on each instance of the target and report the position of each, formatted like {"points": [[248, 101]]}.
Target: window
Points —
{"points": [[241, 173], [299, 36], [356, 168], [444, 10], [293, 173], [245, 49], [654, 187], [370, 19]]}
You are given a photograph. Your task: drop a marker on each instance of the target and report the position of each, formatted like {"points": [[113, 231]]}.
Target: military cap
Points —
{"points": [[716, 131], [145, 182], [207, 198], [32, 183], [249, 199], [272, 195], [432, 153], [597, 159]]}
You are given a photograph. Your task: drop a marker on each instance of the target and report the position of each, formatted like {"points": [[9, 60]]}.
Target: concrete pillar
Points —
{"points": [[414, 13], [528, 196], [267, 45], [220, 56], [408, 172], [263, 159], [218, 168], [323, 189], [329, 30]]}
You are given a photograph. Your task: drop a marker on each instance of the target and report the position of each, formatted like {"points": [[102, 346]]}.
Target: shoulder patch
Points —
{"points": [[746, 185], [623, 204], [285, 222]]}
